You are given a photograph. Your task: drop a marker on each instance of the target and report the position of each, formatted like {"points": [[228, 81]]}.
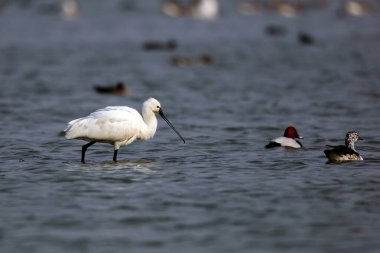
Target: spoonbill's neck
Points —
{"points": [[150, 120]]}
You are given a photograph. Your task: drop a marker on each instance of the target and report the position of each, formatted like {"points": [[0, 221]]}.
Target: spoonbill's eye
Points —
{"points": [[158, 107]]}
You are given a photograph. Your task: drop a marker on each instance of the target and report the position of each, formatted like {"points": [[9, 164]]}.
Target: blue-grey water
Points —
{"points": [[219, 192]]}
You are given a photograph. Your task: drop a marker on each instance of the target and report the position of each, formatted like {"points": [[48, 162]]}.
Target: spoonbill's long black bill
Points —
{"points": [[170, 124]]}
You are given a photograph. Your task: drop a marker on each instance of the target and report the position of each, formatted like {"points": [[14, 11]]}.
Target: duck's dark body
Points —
{"points": [[343, 153]]}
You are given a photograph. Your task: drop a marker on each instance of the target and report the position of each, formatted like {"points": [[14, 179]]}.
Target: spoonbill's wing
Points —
{"points": [[113, 123]]}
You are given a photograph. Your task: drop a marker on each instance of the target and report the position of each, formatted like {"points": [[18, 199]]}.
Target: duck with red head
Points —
{"points": [[289, 139]]}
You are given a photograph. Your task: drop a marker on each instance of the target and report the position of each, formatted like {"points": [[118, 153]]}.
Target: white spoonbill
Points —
{"points": [[117, 125]]}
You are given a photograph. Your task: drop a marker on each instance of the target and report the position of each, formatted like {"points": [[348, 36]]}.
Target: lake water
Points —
{"points": [[219, 192]]}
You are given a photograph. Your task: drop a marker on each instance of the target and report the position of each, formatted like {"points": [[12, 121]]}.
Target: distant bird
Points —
{"points": [[117, 125], [305, 39], [2, 5], [251, 7], [288, 140], [118, 89], [288, 10], [181, 61], [173, 8], [206, 9], [70, 9], [157, 45], [200, 9], [359, 8], [275, 30], [345, 152]]}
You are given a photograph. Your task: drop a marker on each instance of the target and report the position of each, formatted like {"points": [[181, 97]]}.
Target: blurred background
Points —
{"points": [[230, 75]]}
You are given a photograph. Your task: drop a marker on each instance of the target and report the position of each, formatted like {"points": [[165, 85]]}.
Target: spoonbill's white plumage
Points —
{"points": [[117, 125]]}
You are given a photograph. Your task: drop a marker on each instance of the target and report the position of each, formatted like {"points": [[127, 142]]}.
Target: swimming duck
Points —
{"points": [[157, 45], [206, 9], [305, 39], [251, 8], [345, 152], [288, 10], [358, 8], [275, 30], [201, 9], [180, 61], [288, 140], [70, 9], [118, 89]]}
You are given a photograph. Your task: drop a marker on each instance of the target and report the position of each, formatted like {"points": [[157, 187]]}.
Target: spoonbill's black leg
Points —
{"points": [[115, 155], [84, 148]]}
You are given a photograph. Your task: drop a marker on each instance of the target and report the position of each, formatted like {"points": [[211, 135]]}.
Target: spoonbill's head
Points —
{"points": [[155, 106]]}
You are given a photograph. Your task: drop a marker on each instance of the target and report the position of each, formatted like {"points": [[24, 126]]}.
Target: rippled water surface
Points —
{"points": [[219, 192]]}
